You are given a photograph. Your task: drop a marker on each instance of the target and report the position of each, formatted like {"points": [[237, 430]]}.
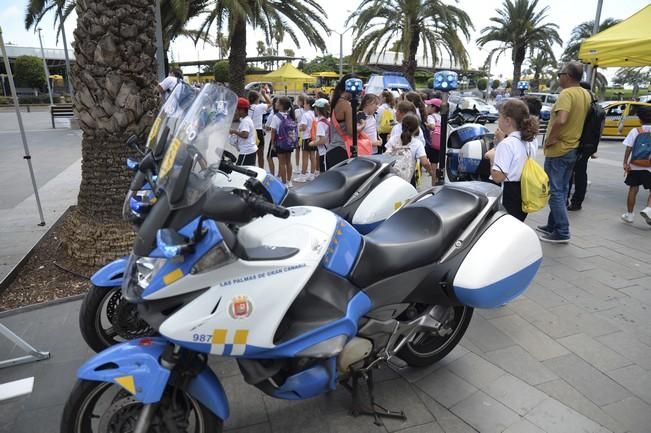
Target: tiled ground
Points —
{"points": [[571, 355]]}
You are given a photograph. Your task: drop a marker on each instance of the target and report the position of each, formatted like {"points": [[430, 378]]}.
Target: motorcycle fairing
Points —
{"points": [[343, 250], [381, 202], [110, 275], [485, 279], [135, 366], [276, 189], [174, 270]]}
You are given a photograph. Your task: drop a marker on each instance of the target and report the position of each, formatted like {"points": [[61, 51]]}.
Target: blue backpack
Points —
{"points": [[287, 134], [642, 149]]}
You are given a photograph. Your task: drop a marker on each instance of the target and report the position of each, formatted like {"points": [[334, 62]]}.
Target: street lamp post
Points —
{"points": [[341, 49], [47, 71]]}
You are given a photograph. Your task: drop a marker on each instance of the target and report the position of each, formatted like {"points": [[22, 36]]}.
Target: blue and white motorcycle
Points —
{"points": [[296, 295], [363, 191]]}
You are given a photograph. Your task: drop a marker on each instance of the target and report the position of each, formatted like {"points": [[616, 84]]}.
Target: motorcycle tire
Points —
{"points": [[435, 348], [97, 330], [86, 397]]}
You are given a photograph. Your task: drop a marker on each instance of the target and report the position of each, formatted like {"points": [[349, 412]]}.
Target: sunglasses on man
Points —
{"points": [[561, 73]]}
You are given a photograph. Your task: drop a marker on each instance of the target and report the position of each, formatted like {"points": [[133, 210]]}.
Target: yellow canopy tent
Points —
{"points": [[625, 44], [287, 75]]}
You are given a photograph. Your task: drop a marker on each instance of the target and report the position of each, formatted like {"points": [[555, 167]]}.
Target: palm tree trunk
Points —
{"points": [[114, 77], [409, 63], [519, 53], [237, 57]]}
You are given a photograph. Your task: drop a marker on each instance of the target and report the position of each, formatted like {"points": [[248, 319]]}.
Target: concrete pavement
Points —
{"points": [[571, 355]]}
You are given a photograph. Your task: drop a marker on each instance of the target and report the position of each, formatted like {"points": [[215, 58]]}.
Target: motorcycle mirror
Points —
{"points": [[172, 244], [132, 142], [132, 164], [147, 163]]}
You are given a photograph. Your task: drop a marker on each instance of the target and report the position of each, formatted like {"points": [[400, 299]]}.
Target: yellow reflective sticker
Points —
{"points": [[170, 156], [173, 276], [153, 133], [397, 205], [127, 383], [241, 335], [219, 336]]}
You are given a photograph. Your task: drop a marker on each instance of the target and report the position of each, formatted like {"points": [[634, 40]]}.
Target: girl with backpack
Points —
{"points": [[271, 153], [434, 126], [637, 164], [321, 130], [409, 138], [309, 152], [298, 112], [386, 117], [509, 156], [284, 137]]}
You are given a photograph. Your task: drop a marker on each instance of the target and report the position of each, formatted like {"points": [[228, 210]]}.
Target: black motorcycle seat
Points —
{"points": [[334, 187], [416, 235]]}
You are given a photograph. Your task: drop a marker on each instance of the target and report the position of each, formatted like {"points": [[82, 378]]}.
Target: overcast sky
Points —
{"points": [[565, 13]]}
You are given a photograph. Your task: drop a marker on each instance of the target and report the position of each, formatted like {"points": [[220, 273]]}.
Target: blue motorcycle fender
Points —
{"points": [[111, 274], [134, 365]]}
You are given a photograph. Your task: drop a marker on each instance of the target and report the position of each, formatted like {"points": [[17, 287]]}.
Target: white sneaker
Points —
{"points": [[297, 171], [310, 177], [646, 214], [300, 178], [627, 218], [290, 184], [317, 173]]}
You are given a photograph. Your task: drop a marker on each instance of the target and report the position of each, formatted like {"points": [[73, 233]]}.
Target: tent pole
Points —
{"points": [[27, 156], [592, 70]]}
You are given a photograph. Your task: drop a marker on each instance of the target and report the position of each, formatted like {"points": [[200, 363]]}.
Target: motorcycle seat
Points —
{"points": [[334, 187], [416, 235]]}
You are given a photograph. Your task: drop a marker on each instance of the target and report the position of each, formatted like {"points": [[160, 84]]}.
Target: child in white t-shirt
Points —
{"points": [[637, 175], [519, 129], [321, 133], [309, 152], [298, 112], [409, 137], [369, 106], [256, 112], [245, 134]]}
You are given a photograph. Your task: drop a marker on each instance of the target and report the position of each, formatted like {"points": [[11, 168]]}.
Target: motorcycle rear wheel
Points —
{"points": [[430, 349], [98, 319], [100, 407]]}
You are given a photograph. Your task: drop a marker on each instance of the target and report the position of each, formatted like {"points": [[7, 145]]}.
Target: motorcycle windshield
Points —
{"points": [[194, 155], [169, 117]]}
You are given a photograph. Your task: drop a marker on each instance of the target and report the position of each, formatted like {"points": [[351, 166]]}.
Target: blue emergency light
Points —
{"points": [[446, 81]]}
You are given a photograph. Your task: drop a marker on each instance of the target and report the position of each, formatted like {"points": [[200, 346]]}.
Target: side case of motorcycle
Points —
{"points": [[500, 266], [382, 202]]}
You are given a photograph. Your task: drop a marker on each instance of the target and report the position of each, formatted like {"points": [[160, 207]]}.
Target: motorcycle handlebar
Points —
{"points": [[227, 166], [263, 207]]}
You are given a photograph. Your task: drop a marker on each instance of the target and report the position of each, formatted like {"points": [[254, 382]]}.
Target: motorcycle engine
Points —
{"points": [[356, 350]]}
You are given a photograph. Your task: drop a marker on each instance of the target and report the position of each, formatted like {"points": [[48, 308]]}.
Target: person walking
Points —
{"points": [[561, 142], [637, 175], [507, 159]]}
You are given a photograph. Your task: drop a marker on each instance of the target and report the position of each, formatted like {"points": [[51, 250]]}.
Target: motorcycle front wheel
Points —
{"points": [[106, 319], [428, 348], [100, 407]]}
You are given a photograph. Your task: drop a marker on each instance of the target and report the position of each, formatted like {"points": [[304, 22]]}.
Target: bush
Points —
{"points": [[29, 72], [5, 100], [495, 84], [221, 71], [40, 99], [482, 84]]}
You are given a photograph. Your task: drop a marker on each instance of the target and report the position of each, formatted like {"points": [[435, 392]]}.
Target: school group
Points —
{"points": [[319, 133]]}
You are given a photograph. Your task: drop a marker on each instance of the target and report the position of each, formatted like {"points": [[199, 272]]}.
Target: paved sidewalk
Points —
{"points": [[571, 355]]}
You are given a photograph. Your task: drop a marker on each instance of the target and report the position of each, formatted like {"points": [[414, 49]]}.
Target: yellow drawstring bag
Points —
{"points": [[534, 186]]}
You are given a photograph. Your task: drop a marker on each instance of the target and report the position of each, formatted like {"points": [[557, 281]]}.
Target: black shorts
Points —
{"points": [[306, 148], [334, 156], [512, 200], [639, 177], [432, 154], [246, 159], [271, 152]]}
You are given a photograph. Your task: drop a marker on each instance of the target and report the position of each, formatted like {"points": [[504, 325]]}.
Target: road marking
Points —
{"points": [[16, 388]]}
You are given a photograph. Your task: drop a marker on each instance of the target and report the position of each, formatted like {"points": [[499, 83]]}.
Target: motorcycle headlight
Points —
{"points": [[218, 256], [140, 271]]}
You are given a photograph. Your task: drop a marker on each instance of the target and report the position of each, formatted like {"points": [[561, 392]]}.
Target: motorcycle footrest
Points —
{"points": [[396, 363]]}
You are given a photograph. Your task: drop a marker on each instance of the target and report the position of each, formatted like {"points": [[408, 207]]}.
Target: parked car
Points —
{"points": [[393, 81], [622, 113], [488, 111], [257, 85]]}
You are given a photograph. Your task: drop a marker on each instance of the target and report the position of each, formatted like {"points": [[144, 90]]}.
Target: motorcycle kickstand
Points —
{"points": [[358, 408]]}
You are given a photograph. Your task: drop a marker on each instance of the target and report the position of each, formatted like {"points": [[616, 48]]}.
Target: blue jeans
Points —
{"points": [[559, 169]]}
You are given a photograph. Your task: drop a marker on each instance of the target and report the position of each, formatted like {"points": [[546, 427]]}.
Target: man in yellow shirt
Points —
{"points": [[561, 141]]}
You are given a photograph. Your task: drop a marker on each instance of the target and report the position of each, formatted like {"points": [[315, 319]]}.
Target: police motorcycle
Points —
{"points": [[468, 142], [301, 299], [363, 191]]}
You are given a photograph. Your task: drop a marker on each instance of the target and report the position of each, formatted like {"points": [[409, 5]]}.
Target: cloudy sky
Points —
{"points": [[565, 13]]}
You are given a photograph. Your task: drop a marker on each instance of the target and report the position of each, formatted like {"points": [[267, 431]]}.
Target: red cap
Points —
{"points": [[243, 103]]}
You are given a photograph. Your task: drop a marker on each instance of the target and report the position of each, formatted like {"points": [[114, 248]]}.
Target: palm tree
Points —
{"points": [[235, 15], [540, 62], [405, 24], [115, 81], [519, 27], [580, 33], [636, 77]]}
